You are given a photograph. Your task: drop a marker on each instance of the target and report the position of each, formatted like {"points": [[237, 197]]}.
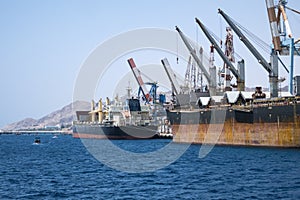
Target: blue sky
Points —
{"points": [[44, 43]]}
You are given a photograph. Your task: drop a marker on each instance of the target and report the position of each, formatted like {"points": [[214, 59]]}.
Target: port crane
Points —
{"points": [[139, 79], [280, 28], [152, 91], [239, 74], [272, 68], [210, 77]]}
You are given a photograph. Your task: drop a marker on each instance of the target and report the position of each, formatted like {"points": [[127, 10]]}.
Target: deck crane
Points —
{"points": [[211, 77], [139, 79], [281, 44], [272, 68], [240, 75], [171, 76]]}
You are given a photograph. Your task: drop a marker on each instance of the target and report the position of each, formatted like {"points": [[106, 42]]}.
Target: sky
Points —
{"points": [[45, 43]]}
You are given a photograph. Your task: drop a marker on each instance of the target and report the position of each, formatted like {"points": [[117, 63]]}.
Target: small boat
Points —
{"points": [[37, 140], [55, 136]]}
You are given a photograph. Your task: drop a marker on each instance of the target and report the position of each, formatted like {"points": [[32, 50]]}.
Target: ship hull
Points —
{"points": [[257, 134], [276, 126], [96, 131]]}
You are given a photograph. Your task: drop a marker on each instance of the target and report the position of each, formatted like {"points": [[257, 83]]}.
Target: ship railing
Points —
{"points": [[273, 103], [85, 122], [219, 107]]}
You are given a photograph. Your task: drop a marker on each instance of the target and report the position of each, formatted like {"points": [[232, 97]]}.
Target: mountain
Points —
{"points": [[28, 122], [63, 116]]}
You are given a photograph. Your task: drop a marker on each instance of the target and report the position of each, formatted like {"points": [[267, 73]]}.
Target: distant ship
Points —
{"points": [[117, 121]]}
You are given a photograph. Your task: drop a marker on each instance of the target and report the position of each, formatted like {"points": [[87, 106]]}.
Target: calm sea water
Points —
{"points": [[62, 168]]}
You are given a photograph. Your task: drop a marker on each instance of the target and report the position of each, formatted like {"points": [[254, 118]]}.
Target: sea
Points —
{"points": [[63, 167]]}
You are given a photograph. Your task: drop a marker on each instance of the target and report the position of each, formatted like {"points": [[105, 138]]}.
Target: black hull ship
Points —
{"points": [[117, 121], [256, 122]]}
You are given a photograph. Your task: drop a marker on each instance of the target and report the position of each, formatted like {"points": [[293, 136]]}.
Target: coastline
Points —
{"points": [[60, 132]]}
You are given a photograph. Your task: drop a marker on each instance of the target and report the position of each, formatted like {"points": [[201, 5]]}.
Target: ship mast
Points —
{"points": [[211, 77], [271, 69], [226, 58]]}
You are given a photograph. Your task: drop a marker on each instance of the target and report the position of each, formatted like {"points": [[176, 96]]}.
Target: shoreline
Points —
{"points": [[61, 132]]}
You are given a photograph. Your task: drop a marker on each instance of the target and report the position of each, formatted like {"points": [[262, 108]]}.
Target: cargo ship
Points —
{"points": [[227, 117], [238, 120], [117, 121], [129, 119]]}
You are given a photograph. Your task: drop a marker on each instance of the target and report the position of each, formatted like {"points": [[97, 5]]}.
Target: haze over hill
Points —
{"points": [[63, 116]]}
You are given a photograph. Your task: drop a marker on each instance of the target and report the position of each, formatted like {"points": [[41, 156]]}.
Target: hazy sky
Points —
{"points": [[44, 43]]}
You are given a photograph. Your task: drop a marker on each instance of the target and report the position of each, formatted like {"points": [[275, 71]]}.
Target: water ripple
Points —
{"points": [[63, 169]]}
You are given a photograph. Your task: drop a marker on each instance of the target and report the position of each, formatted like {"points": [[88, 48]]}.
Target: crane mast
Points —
{"points": [[243, 38], [211, 56], [187, 73], [199, 75], [211, 78], [271, 69], [273, 25], [171, 75], [281, 10], [139, 79], [240, 79], [193, 53], [279, 30], [193, 76]]}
